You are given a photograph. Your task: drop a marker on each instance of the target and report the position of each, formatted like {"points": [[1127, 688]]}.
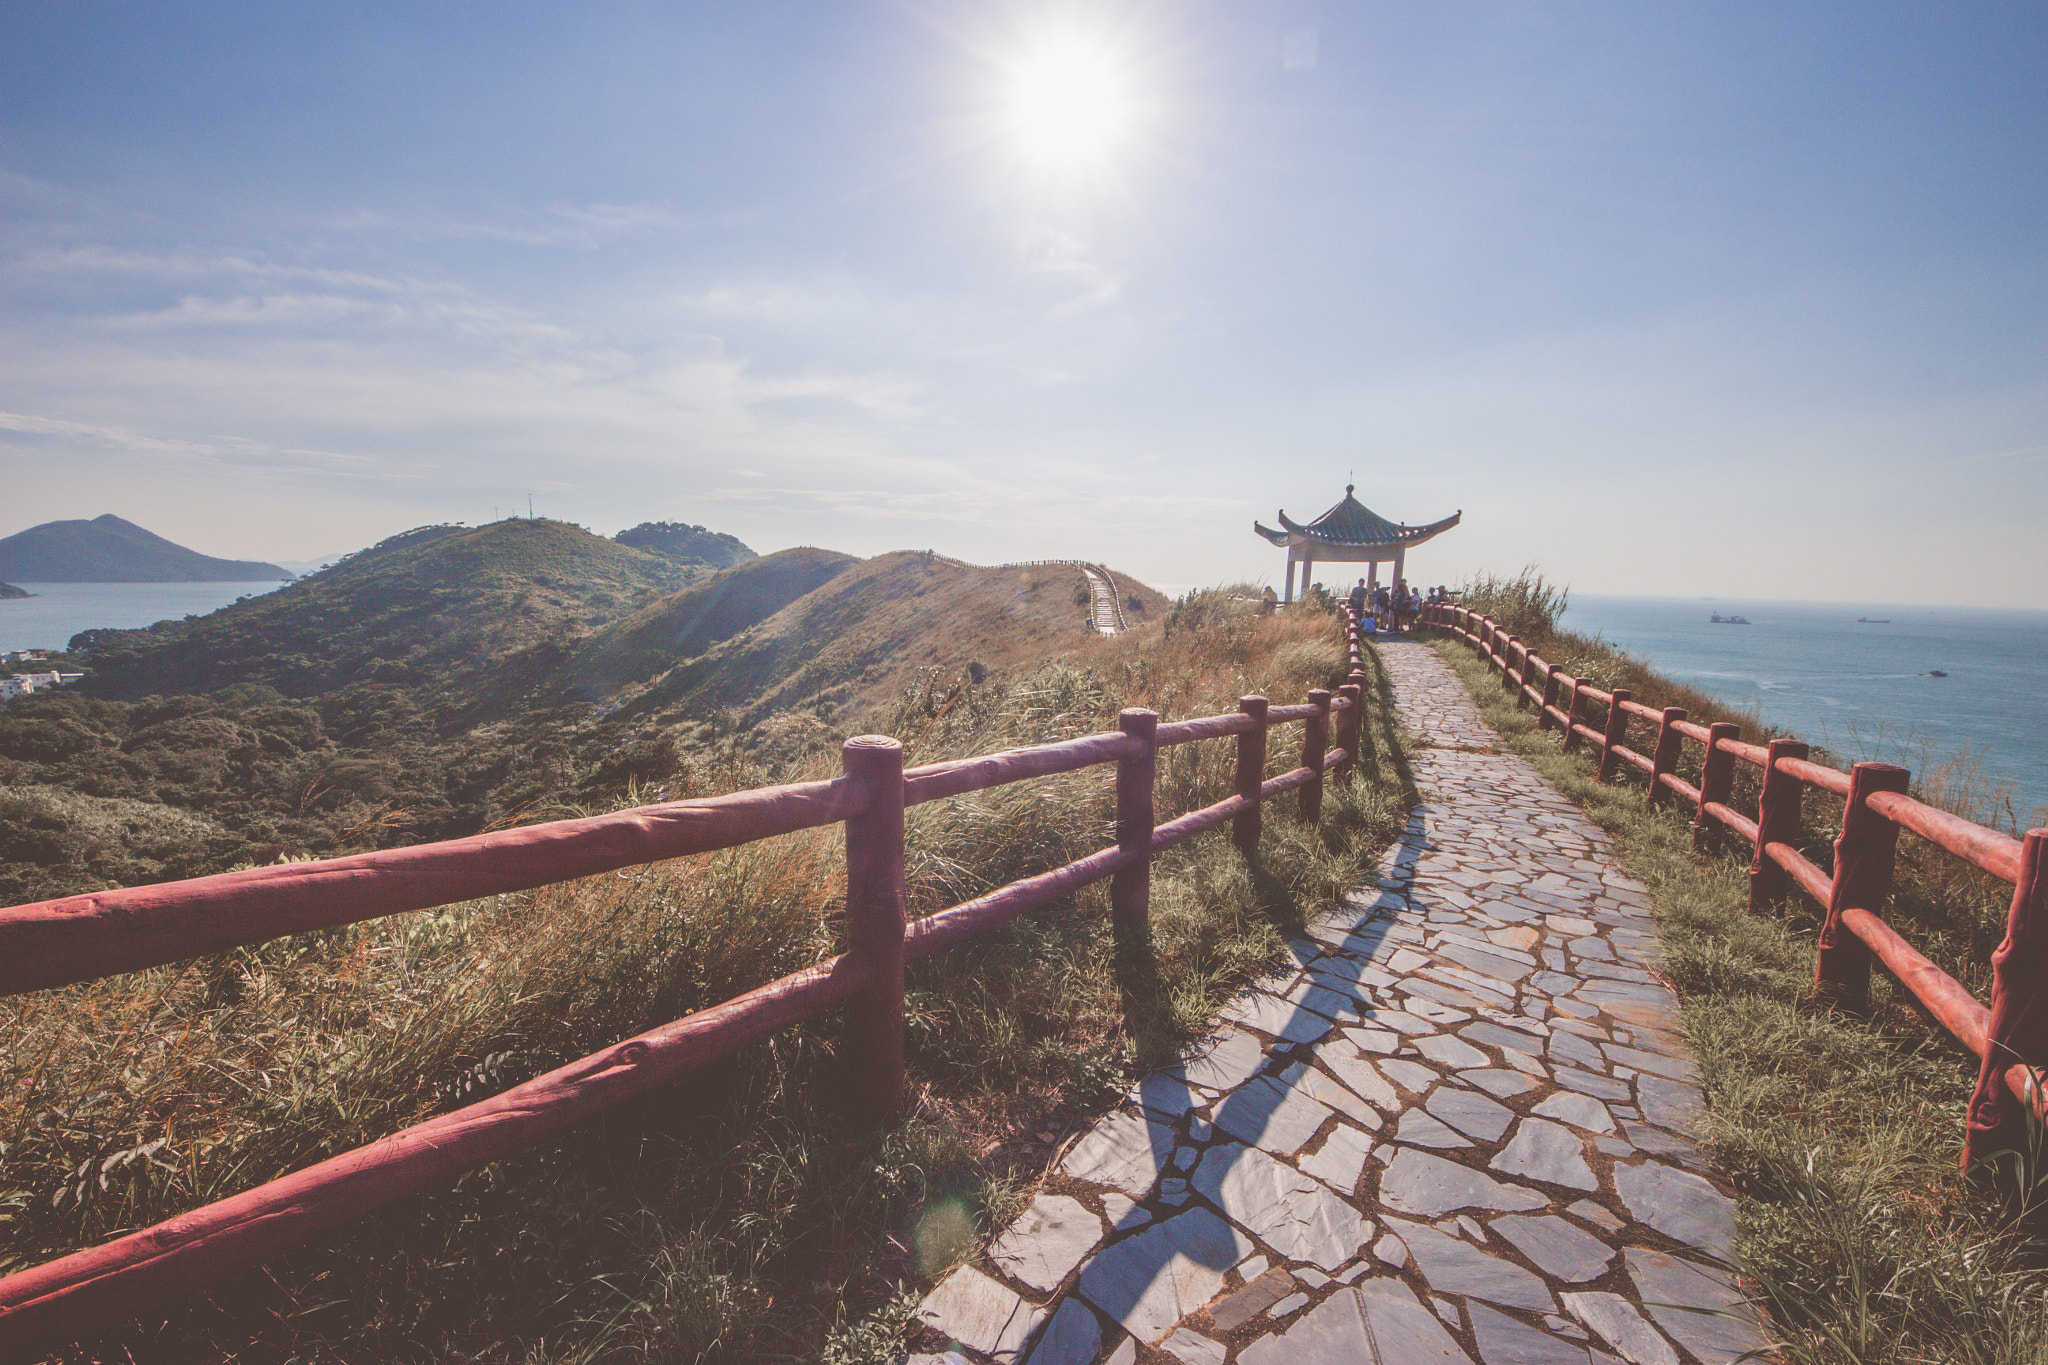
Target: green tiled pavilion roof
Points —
{"points": [[1351, 522]]}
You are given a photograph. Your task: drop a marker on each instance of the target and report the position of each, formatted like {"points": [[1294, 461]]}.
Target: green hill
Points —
{"points": [[686, 544], [110, 550], [444, 609]]}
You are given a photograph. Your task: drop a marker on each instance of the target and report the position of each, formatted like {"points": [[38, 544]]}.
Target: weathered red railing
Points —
{"points": [[2010, 1038], [56, 943]]}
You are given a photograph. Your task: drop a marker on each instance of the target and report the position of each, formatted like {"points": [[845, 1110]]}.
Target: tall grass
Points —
{"points": [[1525, 604], [1840, 1131], [733, 1216]]}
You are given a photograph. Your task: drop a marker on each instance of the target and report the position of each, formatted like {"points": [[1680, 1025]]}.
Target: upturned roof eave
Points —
{"points": [[1297, 534]]}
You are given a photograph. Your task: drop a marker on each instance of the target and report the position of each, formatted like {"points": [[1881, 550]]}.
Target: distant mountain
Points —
{"points": [[110, 550], [686, 544], [9, 590]]}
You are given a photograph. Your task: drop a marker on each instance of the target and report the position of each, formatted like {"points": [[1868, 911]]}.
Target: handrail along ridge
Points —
{"points": [[2009, 1037]]}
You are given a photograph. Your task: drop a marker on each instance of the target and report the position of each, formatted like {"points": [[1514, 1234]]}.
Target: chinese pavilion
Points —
{"points": [[1350, 533]]}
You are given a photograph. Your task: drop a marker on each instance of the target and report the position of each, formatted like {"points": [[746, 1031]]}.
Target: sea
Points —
{"points": [[1860, 678], [59, 611]]}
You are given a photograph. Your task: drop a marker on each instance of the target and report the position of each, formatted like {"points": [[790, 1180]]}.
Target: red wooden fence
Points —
{"points": [[80, 938], [2010, 1038]]}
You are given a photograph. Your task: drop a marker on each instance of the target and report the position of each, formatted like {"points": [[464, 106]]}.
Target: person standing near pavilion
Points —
{"points": [[1358, 599]]}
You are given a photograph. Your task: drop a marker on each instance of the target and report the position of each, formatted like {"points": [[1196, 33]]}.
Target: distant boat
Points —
{"points": [[1936, 673], [1873, 620], [1718, 619]]}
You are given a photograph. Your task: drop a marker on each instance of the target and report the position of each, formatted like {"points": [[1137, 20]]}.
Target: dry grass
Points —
{"points": [[732, 1216]]}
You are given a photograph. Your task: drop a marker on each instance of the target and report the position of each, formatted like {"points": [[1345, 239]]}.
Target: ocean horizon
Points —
{"points": [[1863, 679]]}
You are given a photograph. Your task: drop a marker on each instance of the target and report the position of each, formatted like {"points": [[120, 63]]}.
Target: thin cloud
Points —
{"points": [[225, 450], [1063, 258]]}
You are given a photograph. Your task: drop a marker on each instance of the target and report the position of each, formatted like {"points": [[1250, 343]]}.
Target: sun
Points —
{"points": [[1071, 101]]}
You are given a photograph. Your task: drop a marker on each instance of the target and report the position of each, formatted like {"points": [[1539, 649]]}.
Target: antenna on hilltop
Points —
{"points": [[529, 507]]}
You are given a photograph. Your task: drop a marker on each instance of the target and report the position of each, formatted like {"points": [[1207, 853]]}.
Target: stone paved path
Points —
{"points": [[1454, 1130]]}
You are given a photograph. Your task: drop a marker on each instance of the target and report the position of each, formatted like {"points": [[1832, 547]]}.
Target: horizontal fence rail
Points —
{"points": [[2009, 1037], [80, 938]]}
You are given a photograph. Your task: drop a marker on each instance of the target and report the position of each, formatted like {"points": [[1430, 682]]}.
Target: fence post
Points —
{"points": [[1544, 720], [1251, 772], [1664, 758], [1575, 715], [1777, 822], [1521, 682], [1130, 887], [1616, 734], [1717, 779], [1315, 743], [875, 926], [1351, 723], [2018, 1031], [1864, 854]]}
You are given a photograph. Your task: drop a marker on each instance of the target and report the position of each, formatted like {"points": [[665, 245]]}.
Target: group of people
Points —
{"points": [[1396, 608]]}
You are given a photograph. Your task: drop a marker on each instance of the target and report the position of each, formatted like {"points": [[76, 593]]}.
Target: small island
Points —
{"points": [[8, 590]]}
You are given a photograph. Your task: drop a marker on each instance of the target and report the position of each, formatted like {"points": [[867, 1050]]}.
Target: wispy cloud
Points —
{"points": [[576, 227], [30, 429], [1062, 258]]}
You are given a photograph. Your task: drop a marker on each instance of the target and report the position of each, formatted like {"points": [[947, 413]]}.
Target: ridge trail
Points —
{"points": [[1105, 607], [1456, 1128]]}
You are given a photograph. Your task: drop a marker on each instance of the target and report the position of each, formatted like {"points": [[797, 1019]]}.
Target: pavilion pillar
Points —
{"points": [[1400, 560], [1288, 596]]}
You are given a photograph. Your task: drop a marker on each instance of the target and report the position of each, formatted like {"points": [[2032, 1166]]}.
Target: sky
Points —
{"points": [[1734, 298]]}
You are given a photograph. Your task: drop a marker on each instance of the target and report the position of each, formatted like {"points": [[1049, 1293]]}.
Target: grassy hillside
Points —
{"points": [[688, 622], [861, 638], [410, 692], [442, 608]]}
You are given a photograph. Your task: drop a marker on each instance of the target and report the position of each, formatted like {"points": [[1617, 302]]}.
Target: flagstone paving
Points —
{"points": [[1454, 1130]]}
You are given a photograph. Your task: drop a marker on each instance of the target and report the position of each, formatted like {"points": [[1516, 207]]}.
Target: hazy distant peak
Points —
{"points": [[109, 549]]}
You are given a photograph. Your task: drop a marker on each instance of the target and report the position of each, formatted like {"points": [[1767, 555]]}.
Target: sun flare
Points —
{"points": [[1070, 101]]}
